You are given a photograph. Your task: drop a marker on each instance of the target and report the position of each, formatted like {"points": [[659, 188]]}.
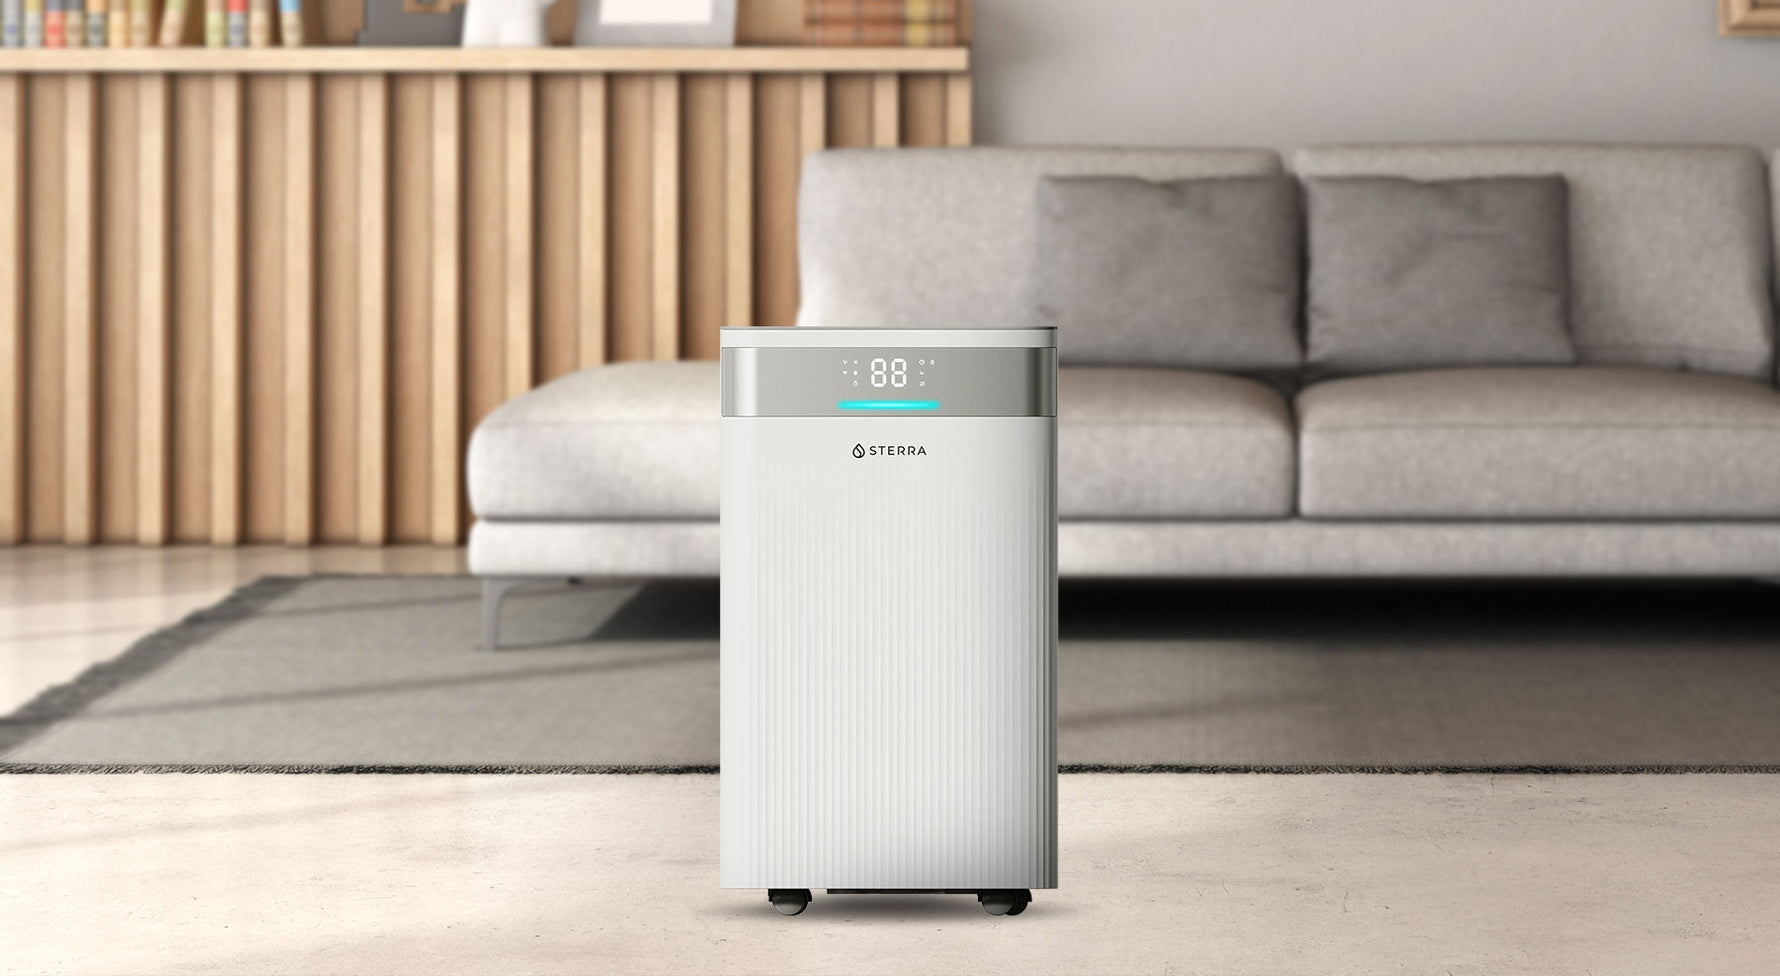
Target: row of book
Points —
{"points": [[131, 23], [880, 23]]}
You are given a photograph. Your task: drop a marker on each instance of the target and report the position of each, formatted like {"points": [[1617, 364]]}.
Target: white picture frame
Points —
{"points": [[655, 23]]}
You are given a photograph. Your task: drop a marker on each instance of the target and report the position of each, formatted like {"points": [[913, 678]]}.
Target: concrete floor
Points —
{"points": [[1180, 874], [1165, 874]]}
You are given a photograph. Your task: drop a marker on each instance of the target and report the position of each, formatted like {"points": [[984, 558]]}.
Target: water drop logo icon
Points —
{"points": [[858, 450]]}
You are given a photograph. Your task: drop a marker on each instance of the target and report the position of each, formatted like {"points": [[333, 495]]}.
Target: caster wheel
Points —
{"points": [[789, 901], [1005, 902]]}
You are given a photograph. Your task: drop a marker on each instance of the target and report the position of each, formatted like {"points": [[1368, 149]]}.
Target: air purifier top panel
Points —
{"points": [[799, 372], [771, 337]]}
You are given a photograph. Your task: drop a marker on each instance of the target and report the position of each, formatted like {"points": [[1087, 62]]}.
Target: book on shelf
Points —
{"points": [[74, 23], [33, 36], [880, 34], [173, 23], [236, 22], [215, 34], [117, 24], [142, 26], [96, 23], [12, 23], [880, 11], [290, 23], [259, 23], [55, 22]]}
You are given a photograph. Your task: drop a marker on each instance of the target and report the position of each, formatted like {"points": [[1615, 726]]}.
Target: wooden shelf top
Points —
{"points": [[387, 60]]}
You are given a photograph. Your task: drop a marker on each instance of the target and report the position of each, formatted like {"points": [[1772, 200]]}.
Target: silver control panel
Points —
{"points": [[889, 381]]}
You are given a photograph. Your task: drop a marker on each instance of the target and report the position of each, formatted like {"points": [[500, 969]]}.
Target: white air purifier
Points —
{"points": [[889, 564]]}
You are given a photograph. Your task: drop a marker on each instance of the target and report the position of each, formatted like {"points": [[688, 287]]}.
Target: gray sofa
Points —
{"points": [[1656, 454]]}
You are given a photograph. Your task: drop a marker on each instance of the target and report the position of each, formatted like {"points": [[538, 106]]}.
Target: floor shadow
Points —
{"points": [[665, 610], [1631, 613], [1395, 612]]}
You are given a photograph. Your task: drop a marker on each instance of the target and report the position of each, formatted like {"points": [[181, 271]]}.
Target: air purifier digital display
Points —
{"points": [[889, 611]]}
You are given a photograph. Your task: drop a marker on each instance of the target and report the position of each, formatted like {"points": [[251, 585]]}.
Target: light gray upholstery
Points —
{"points": [[934, 238], [641, 440], [1584, 443], [1669, 245], [1406, 274], [1171, 443], [628, 440], [1199, 274], [1285, 548]]}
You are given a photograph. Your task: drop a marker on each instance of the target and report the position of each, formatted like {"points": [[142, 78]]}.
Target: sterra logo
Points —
{"points": [[889, 450]]}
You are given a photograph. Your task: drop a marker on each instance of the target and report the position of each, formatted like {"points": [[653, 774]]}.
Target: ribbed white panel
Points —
{"points": [[889, 653]]}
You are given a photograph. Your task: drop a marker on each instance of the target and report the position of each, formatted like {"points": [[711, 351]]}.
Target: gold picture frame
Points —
{"points": [[1749, 18]]}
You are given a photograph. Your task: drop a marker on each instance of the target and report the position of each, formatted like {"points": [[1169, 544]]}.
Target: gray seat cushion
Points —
{"points": [[937, 238], [1669, 245], [1171, 443], [641, 441], [1530, 443], [628, 440]]}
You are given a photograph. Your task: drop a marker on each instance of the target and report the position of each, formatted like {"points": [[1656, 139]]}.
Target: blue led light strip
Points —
{"points": [[888, 405]]}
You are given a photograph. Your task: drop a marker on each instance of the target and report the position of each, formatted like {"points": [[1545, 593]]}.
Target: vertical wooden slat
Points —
{"points": [[738, 215], [923, 110], [153, 345], [812, 113], [886, 110], [592, 219], [630, 219], [373, 310], [410, 288], [12, 309], [191, 379], [299, 309], [337, 275], [447, 312], [116, 303], [555, 292], [225, 310], [703, 201], [849, 111], [777, 158], [265, 167], [519, 346], [958, 121], [80, 498], [665, 263]]}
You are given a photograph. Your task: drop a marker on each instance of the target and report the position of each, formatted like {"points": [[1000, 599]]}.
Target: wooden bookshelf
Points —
{"points": [[534, 61], [265, 295]]}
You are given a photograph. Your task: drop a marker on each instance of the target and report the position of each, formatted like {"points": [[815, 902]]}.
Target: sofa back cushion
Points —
{"points": [[936, 238], [1406, 274], [1201, 274], [1669, 245]]}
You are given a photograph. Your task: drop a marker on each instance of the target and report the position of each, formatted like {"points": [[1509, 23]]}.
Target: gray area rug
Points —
{"points": [[384, 674]]}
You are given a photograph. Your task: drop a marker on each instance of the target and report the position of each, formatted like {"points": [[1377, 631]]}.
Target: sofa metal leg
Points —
{"points": [[494, 590]]}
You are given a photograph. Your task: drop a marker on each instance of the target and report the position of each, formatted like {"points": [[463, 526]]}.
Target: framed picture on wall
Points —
{"points": [[1749, 18], [655, 23]]}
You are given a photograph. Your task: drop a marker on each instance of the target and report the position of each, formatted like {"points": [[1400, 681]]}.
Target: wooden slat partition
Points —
{"points": [[248, 305]]}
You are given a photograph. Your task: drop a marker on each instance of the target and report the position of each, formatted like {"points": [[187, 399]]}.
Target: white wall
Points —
{"points": [[1286, 73]]}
